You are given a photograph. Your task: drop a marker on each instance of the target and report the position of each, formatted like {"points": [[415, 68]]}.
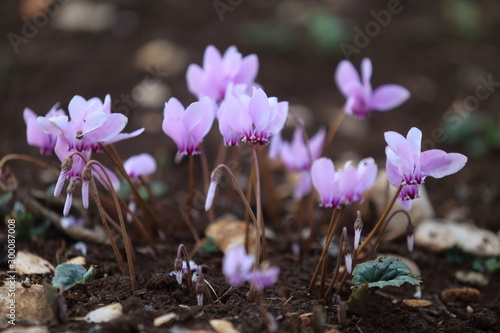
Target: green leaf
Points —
{"points": [[69, 275], [383, 272]]}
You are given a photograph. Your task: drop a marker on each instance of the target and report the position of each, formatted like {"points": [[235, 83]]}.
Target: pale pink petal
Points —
{"points": [[388, 97], [279, 118], [113, 125], [123, 136], [77, 109], [324, 178], [275, 146], [346, 76], [192, 118], [142, 164], [303, 186], [366, 72], [414, 138], [437, 163], [212, 58], [54, 125], [248, 69], [207, 109], [194, 77], [101, 177], [258, 108], [393, 175], [93, 121], [316, 143], [231, 61]]}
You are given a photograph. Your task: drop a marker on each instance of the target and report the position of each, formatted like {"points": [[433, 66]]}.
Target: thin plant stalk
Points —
{"points": [[379, 223], [102, 213], [330, 235], [334, 221], [247, 212], [30, 159], [258, 200], [388, 220], [190, 196], [148, 213], [337, 267], [334, 126], [247, 206], [181, 251], [126, 239]]}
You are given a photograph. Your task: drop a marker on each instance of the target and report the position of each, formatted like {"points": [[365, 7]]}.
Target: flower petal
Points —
{"points": [[346, 76], [437, 163], [388, 97]]}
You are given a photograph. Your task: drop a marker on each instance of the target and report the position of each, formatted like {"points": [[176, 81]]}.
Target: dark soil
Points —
{"points": [[419, 49]]}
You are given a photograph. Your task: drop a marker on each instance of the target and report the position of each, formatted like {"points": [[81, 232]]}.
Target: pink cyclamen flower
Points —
{"points": [[361, 98], [266, 276], [296, 157], [408, 166], [355, 181], [252, 118], [90, 124], [187, 127], [35, 135], [237, 265], [142, 164], [342, 187], [219, 71]]}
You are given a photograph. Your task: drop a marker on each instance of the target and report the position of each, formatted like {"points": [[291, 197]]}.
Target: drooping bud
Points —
{"points": [[214, 180], [69, 198], [200, 287], [347, 251], [410, 239], [178, 269], [66, 165], [86, 175], [358, 227]]}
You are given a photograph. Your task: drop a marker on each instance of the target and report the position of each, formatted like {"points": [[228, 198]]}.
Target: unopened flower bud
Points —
{"points": [[178, 269], [86, 175], [358, 226], [410, 239], [200, 287], [347, 251], [69, 198], [211, 190]]}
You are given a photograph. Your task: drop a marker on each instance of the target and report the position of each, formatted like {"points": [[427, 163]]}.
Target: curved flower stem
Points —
{"points": [[334, 126], [148, 213], [379, 236], [379, 223], [258, 200], [181, 251], [247, 206], [27, 158], [102, 213], [126, 239]]}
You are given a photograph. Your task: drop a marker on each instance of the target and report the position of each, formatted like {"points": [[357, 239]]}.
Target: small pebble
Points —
{"points": [[463, 295], [417, 303], [472, 278]]}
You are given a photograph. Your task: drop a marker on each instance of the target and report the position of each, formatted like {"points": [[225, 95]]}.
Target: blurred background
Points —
{"points": [[446, 52]]}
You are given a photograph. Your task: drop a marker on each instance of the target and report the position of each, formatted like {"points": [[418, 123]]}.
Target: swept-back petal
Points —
{"points": [[53, 125], [388, 97], [77, 109], [231, 61], [324, 178], [212, 58], [366, 71], [93, 121], [194, 77], [123, 136], [113, 124], [248, 69], [437, 163], [346, 76]]}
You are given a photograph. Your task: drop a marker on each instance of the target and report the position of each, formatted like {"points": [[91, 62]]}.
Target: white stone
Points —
{"points": [[104, 314], [162, 56], [151, 93], [223, 326], [165, 319], [29, 263], [31, 303], [440, 235]]}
